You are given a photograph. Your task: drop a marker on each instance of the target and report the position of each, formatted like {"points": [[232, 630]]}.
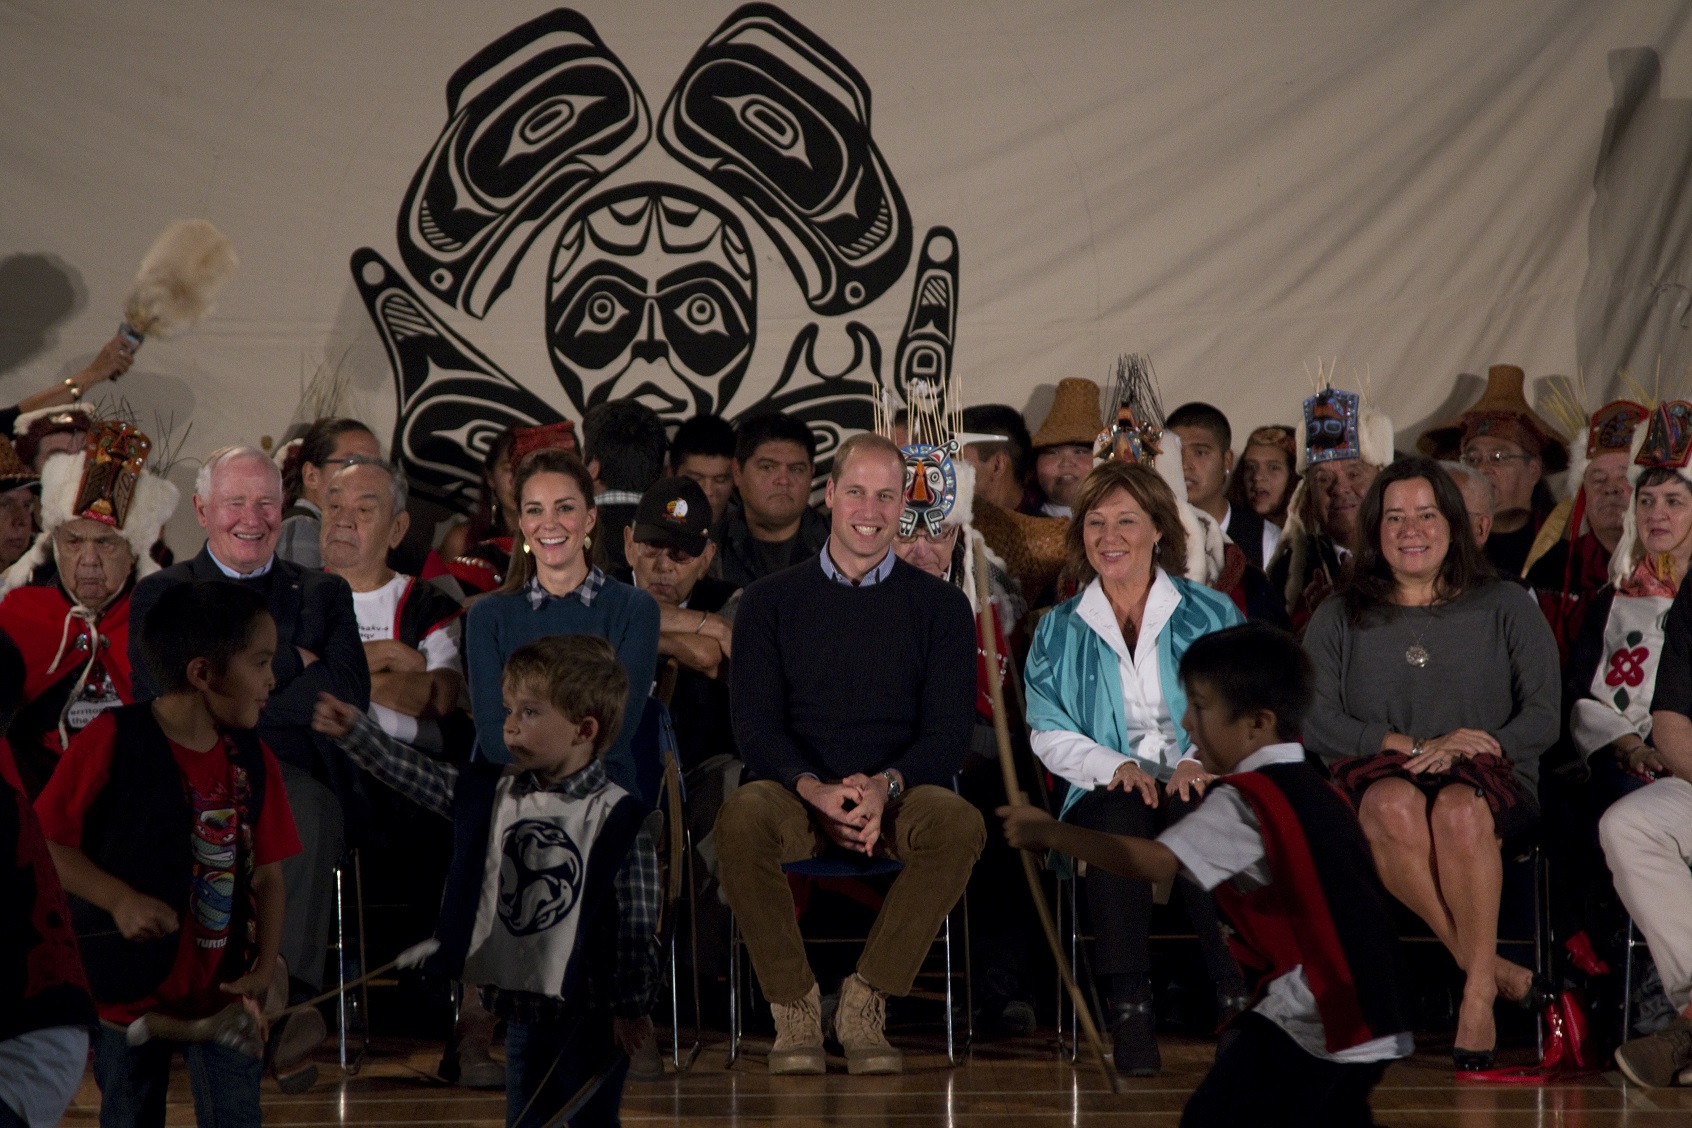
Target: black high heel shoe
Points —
{"points": [[1471, 1061], [1540, 995]]}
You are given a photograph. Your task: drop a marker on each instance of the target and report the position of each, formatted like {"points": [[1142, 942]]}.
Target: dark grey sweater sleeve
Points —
{"points": [[1329, 730], [1534, 677]]}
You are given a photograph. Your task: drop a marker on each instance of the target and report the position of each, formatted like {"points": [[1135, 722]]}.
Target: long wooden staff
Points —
{"points": [[1014, 795]]}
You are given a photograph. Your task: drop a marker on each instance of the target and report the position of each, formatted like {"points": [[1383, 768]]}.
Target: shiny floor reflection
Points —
{"points": [[1021, 1083]]}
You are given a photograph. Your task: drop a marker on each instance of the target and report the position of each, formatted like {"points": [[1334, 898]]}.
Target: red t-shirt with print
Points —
{"points": [[191, 988]]}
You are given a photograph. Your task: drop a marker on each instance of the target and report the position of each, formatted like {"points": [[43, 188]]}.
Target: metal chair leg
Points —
{"points": [[682, 1066], [1627, 984], [345, 1010], [951, 1035], [734, 992]]}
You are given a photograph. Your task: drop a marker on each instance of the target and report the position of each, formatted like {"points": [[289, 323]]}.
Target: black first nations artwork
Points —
{"points": [[652, 281]]}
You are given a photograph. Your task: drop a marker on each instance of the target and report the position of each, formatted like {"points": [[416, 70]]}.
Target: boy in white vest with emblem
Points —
{"points": [[551, 904]]}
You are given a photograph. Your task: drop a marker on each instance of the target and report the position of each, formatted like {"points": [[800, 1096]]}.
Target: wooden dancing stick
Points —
{"points": [[233, 1027], [1015, 796]]}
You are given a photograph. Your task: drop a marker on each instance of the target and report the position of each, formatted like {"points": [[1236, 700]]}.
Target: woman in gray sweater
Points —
{"points": [[1437, 690]]}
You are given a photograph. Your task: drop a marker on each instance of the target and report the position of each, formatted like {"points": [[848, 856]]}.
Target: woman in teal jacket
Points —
{"points": [[1105, 707]]}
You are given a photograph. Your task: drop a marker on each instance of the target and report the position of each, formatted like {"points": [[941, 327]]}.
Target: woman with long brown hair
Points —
{"points": [[1437, 689], [553, 588]]}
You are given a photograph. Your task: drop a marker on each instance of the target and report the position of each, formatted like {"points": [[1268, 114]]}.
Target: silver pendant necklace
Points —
{"points": [[1416, 654]]}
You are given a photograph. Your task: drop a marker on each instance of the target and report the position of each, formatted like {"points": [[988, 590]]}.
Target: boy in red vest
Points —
{"points": [[1283, 852], [45, 1011], [168, 824]]}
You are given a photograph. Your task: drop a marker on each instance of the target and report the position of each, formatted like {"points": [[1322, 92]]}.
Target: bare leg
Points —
{"points": [[1394, 814], [1471, 876]]}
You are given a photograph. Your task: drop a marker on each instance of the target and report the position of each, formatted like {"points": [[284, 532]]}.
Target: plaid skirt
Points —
{"points": [[1514, 809]]}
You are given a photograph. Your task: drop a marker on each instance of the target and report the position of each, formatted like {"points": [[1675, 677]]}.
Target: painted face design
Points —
{"points": [[931, 488], [651, 296], [1330, 426]]}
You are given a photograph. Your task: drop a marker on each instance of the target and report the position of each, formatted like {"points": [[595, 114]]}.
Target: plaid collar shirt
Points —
{"points": [[587, 591]]}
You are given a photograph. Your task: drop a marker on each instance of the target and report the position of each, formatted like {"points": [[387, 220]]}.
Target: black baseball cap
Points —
{"points": [[674, 513]]}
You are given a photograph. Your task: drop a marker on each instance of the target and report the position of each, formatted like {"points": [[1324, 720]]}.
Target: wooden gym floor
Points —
{"points": [[1017, 1083]]}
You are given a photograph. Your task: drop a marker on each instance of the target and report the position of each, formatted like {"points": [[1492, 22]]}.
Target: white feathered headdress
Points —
{"points": [[115, 491]]}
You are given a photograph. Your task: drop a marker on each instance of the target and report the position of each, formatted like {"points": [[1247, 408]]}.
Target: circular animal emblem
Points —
{"points": [[676, 508], [540, 876]]}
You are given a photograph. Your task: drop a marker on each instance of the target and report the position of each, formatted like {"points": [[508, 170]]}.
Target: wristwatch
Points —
{"points": [[895, 789]]}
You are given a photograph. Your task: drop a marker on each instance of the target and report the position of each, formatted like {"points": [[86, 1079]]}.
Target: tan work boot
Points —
{"points": [[859, 1022], [799, 1040]]}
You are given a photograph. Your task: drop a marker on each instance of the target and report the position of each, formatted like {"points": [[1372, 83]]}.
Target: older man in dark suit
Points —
{"points": [[238, 501]]}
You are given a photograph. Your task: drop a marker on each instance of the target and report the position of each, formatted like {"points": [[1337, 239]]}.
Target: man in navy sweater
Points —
{"points": [[853, 694]]}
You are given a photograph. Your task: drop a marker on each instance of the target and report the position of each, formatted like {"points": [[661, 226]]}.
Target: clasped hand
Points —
{"points": [[1442, 753], [849, 811]]}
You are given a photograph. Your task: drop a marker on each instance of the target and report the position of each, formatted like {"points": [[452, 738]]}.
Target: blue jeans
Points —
{"points": [[133, 1080], [573, 1050]]}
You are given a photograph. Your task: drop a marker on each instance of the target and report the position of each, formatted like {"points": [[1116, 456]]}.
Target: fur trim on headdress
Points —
{"points": [[1578, 462], [971, 538], [21, 427], [1207, 545], [963, 506], [1294, 546], [1375, 431], [154, 501]]}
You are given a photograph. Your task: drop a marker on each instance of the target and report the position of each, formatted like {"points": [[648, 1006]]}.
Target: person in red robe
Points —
{"points": [[1575, 567], [65, 602]]}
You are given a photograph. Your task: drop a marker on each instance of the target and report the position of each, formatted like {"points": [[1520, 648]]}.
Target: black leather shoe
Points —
{"points": [[1471, 1061], [1134, 1028], [1539, 995]]}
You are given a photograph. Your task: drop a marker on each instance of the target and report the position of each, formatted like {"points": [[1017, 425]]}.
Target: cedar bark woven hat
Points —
{"points": [[13, 473], [1075, 418], [1502, 412]]}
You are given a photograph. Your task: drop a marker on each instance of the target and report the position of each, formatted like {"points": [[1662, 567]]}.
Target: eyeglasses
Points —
{"points": [[947, 537], [1475, 459]]}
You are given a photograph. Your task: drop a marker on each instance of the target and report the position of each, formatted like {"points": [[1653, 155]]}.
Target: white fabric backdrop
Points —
{"points": [[1237, 188]]}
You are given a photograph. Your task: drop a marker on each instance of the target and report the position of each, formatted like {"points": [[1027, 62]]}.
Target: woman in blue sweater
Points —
{"points": [[552, 589]]}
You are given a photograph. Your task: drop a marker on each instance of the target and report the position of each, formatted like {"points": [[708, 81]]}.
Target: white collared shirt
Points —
{"points": [[262, 569], [1082, 761], [1220, 841], [1271, 533]]}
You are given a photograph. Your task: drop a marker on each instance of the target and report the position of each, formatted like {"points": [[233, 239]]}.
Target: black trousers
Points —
{"points": [[1265, 1079], [1120, 908]]}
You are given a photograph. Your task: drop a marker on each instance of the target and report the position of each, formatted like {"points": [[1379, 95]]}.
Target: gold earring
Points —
{"points": [[525, 548], [587, 542]]}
